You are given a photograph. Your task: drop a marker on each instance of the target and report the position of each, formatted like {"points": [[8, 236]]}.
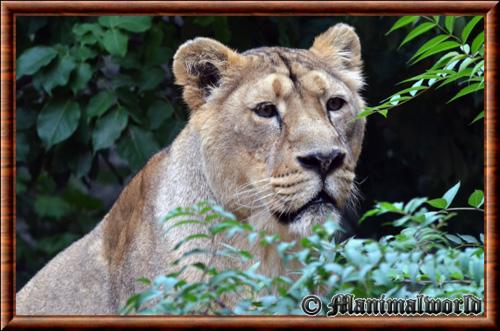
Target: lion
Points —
{"points": [[273, 137]]}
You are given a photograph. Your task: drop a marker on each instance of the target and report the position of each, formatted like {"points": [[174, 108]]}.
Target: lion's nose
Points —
{"points": [[322, 163]]}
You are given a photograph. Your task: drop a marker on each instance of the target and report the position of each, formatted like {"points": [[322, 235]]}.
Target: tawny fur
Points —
{"points": [[227, 154]]}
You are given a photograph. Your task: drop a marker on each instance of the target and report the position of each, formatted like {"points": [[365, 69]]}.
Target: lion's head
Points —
{"points": [[277, 126]]}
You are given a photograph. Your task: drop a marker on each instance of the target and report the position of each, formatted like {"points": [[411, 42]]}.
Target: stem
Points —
{"points": [[442, 29], [464, 209], [427, 282]]}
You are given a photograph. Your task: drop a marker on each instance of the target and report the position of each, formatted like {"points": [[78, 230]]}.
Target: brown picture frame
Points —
{"points": [[12, 9]]}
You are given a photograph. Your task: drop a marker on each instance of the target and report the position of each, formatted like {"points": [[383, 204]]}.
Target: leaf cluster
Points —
{"points": [[421, 259], [460, 61]]}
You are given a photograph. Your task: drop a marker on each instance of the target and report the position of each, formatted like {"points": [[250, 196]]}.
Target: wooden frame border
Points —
{"points": [[11, 9]]}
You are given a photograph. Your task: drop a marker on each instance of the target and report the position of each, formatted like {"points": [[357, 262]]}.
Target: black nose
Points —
{"points": [[322, 163]]}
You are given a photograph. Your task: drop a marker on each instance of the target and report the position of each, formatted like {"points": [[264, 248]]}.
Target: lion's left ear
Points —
{"points": [[200, 65], [340, 46]]}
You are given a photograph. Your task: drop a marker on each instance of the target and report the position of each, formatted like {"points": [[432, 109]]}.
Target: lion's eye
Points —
{"points": [[266, 109], [334, 104]]}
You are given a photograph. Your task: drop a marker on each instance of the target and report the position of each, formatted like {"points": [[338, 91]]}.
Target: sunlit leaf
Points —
{"points": [[477, 42], [450, 194], [468, 28], [421, 29], [438, 203], [476, 199], [429, 44], [449, 23], [403, 21], [467, 90], [478, 117], [444, 46]]}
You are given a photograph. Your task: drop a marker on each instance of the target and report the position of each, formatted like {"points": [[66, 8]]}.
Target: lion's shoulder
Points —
{"points": [[132, 207]]}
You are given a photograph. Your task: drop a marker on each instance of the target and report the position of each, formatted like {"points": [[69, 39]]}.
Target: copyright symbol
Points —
{"points": [[311, 305]]}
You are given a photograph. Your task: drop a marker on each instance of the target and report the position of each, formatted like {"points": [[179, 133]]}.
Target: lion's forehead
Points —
{"points": [[277, 71]]}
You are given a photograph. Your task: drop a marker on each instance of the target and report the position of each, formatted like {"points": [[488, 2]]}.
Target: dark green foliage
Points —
{"points": [[95, 99]]}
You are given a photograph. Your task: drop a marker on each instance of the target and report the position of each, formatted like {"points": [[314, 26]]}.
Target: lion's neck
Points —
{"points": [[183, 184]]}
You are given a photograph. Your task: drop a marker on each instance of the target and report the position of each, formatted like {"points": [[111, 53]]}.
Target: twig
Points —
{"points": [[427, 282], [442, 29], [464, 208]]}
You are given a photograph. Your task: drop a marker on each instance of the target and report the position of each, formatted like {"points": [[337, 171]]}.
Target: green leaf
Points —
{"points": [[129, 23], [115, 42], [82, 29], [81, 77], [444, 46], [477, 42], [454, 239], [453, 77], [449, 22], [438, 203], [478, 117], [137, 147], [478, 69], [476, 199], [150, 78], [465, 48], [364, 113], [158, 112], [450, 194], [390, 207], [467, 90], [403, 21], [100, 103], [57, 74], [368, 213], [429, 44], [468, 28], [445, 59], [80, 163], [51, 206], [84, 53], [469, 239], [421, 29], [109, 128], [415, 88], [32, 59], [57, 121], [466, 63]]}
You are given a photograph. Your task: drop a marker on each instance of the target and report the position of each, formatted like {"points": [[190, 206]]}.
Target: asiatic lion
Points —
{"points": [[272, 126]]}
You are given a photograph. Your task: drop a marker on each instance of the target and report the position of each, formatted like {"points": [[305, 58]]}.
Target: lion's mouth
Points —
{"points": [[323, 199]]}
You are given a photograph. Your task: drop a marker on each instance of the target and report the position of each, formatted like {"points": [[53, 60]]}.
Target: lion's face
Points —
{"points": [[277, 126]]}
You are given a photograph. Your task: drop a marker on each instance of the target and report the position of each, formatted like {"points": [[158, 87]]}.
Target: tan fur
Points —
{"points": [[226, 153]]}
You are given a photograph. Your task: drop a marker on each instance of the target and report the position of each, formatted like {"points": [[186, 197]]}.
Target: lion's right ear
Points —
{"points": [[202, 64]]}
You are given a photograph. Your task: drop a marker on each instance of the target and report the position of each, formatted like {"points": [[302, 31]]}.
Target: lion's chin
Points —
{"points": [[315, 214], [320, 205]]}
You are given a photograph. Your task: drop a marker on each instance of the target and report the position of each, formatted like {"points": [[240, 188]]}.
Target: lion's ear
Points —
{"points": [[200, 65], [340, 46]]}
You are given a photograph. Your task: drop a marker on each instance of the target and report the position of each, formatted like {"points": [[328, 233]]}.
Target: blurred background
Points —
{"points": [[95, 99]]}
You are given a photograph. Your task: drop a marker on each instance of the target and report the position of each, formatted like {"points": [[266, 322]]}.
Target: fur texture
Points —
{"points": [[258, 167]]}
